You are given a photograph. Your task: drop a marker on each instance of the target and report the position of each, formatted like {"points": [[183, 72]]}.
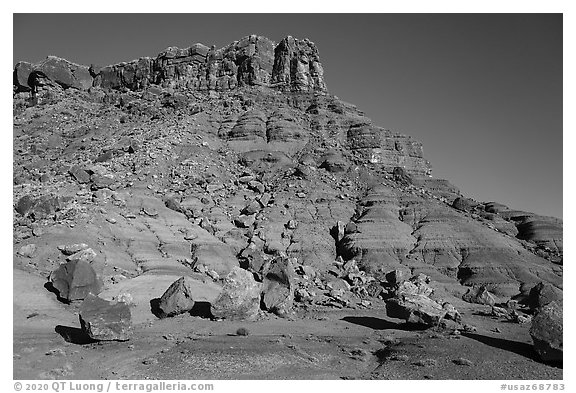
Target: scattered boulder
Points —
{"points": [[278, 291], [415, 308], [80, 174], [69, 249], [292, 224], [544, 293], [44, 206], [105, 321], [75, 280], [335, 163], [417, 285], [479, 295], [256, 186], [245, 221], [173, 204], [396, 277], [410, 301], [252, 208], [105, 156], [24, 204], [547, 332], [240, 297], [27, 251], [183, 294], [338, 231], [451, 312], [464, 204], [86, 255]]}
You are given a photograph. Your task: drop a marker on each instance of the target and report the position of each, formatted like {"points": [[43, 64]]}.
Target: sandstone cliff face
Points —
{"points": [[292, 65], [60, 71]]}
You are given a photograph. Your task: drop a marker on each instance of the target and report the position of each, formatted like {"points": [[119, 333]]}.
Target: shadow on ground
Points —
{"points": [[382, 324], [74, 335], [200, 309], [50, 287], [519, 348]]}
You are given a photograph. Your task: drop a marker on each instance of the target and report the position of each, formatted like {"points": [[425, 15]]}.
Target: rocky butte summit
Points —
{"points": [[231, 185]]}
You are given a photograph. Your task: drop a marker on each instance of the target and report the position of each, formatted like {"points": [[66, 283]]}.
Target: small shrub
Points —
{"points": [[242, 332]]}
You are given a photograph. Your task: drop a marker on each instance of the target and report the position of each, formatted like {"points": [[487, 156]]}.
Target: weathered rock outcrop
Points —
{"points": [[394, 229], [292, 65], [60, 71], [541, 230], [381, 146], [297, 66]]}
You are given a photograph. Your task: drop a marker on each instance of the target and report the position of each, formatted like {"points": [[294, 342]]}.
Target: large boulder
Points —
{"points": [[103, 320], [44, 206], [240, 297], [278, 292], [546, 332], [464, 204], [75, 280], [544, 293], [415, 308], [22, 71], [184, 293]]}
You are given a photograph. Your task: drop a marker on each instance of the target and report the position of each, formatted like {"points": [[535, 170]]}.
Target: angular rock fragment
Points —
{"points": [[184, 293], [75, 279], [105, 321], [24, 204], [396, 276], [173, 204], [415, 308], [544, 293], [240, 297], [479, 295], [278, 287], [80, 174], [86, 255], [252, 208], [69, 249], [244, 221]]}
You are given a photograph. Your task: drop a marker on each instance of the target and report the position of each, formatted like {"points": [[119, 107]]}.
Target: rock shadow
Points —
{"points": [[74, 335], [200, 309], [155, 308], [382, 324], [519, 348], [50, 287]]}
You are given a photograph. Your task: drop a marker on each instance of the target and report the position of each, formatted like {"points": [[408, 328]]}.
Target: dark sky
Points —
{"points": [[482, 92]]}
